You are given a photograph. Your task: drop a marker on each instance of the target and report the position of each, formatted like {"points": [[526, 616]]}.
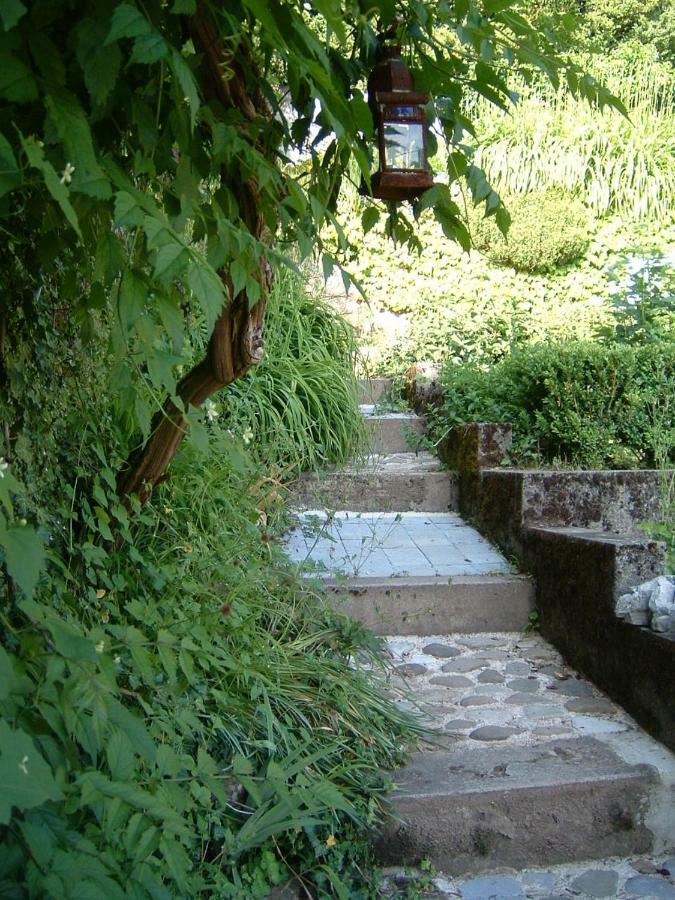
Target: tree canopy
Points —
{"points": [[146, 161]]}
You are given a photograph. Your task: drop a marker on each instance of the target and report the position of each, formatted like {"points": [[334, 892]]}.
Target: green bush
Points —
{"points": [[548, 231], [574, 403]]}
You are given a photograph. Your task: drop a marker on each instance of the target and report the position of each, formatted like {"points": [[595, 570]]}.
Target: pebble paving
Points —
{"points": [[509, 687], [639, 878], [516, 689]]}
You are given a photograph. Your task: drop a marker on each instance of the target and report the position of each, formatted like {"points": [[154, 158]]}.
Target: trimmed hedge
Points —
{"points": [[577, 403], [548, 230]]}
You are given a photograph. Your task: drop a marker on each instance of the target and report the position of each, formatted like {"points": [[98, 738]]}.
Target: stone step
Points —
{"points": [[411, 572], [371, 390], [392, 432], [433, 605], [560, 801], [400, 482], [530, 764]]}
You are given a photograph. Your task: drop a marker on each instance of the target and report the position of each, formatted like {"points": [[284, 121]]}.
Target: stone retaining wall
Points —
{"points": [[577, 533]]}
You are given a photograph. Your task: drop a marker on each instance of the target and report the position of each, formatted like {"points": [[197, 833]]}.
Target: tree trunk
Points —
{"points": [[236, 343]]}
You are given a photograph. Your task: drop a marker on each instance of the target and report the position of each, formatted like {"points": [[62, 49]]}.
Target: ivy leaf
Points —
{"points": [[24, 555], [207, 288], [10, 12], [26, 780], [10, 176], [127, 21]]}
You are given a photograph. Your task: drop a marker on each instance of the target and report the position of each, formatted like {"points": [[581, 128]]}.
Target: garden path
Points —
{"points": [[534, 784]]}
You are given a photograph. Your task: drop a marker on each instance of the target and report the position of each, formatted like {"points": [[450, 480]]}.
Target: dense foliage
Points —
{"points": [[179, 713], [573, 403], [177, 710]]}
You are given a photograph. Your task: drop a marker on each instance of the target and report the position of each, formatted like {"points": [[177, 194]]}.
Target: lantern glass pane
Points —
{"points": [[404, 145]]}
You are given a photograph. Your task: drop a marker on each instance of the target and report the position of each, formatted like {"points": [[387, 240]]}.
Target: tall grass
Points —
{"points": [[302, 398], [615, 165]]}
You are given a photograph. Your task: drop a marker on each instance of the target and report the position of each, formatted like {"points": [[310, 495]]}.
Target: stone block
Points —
{"points": [[478, 445], [580, 574]]}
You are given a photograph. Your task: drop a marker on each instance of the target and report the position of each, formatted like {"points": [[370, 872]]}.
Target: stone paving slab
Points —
{"points": [[391, 545], [644, 877]]}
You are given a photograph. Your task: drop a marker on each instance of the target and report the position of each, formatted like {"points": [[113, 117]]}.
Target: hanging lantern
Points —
{"points": [[398, 113]]}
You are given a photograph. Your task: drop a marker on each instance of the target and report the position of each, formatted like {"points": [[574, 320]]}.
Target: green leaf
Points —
{"points": [[170, 260], [120, 756], [59, 191], [69, 641], [5, 674], [25, 778], [10, 176], [496, 6], [16, 80], [73, 127], [10, 12], [131, 299], [184, 7], [100, 64], [127, 21], [149, 48], [24, 555], [128, 211], [171, 317], [207, 288], [369, 218], [186, 81]]}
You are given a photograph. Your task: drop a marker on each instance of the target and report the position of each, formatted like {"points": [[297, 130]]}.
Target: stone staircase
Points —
{"points": [[530, 765]]}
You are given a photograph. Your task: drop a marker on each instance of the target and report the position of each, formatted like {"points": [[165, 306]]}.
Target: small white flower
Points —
{"points": [[67, 176], [247, 436], [100, 646], [118, 660], [211, 411], [3, 466]]}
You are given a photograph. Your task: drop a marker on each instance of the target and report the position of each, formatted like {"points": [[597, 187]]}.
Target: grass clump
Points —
{"points": [[300, 403]]}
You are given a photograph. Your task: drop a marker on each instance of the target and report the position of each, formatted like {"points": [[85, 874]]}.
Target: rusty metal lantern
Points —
{"points": [[400, 120]]}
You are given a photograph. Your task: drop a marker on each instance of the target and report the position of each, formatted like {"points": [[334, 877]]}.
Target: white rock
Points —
{"points": [[635, 603], [662, 597], [636, 617], [663, 624]]}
